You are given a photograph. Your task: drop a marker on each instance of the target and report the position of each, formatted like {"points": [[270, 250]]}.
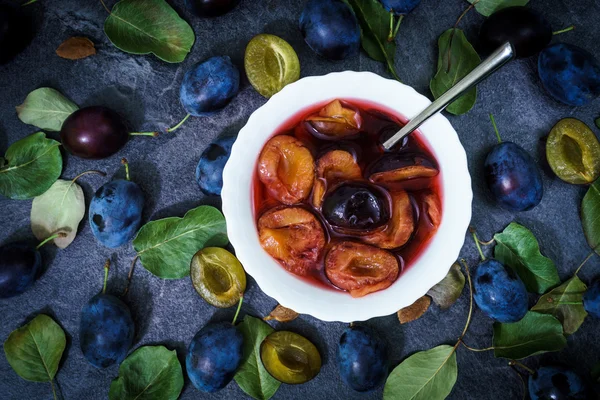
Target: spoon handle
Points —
{"points": [[496, 60]]}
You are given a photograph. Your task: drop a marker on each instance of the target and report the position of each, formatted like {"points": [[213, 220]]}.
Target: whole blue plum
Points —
{"points": [[363, 359], [400, 7], [209, 86], [20, 266], [116, 212], [513, 177], [557, 383], [209, 172], [214, 356], [499, 292], [591, 299], [106, 330], [330, 29], [570, 74]]}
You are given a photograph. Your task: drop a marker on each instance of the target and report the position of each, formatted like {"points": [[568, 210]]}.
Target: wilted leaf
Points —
{"points": [[252, 377], [414, 311], [166, 246], [519, 249], [488, 7], [282, 314], [149, 373], [76, 48], [426, 375], [590, 216], [536, 333], [445, 293], [149, 26], [455, 60], [34, 164], [46, 108], [565, 303]]}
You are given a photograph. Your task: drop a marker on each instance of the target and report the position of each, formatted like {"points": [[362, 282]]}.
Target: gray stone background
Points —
{"points": [[145, 90]]}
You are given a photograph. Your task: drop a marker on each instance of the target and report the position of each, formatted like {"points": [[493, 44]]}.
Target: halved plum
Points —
{"points": [[359, 268], [397, 170], [335, 121], [401, 226], [293, 236], [432, 206], [333, 167], [287, 168]]}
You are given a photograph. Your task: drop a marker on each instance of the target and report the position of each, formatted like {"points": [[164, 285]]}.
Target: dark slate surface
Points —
{"points": [[145, 90]]}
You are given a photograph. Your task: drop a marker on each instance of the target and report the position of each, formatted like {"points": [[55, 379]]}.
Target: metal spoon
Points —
{"points": [[490, 65]]}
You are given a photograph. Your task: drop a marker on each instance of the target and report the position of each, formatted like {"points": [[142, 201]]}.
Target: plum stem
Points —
{"points": [[23, 5], [106, 268], [130, 275], [525, 367], [91, 171], [464, 332], [239, 307], [52, 380], [584, 262], [153, 134], [179, 124], [56, 235], [495, 128], [476, 239], [126, 164], [394, 29], [567, 29]]}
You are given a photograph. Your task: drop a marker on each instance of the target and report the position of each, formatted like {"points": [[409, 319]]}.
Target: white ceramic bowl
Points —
{"points": [[298, 294]]}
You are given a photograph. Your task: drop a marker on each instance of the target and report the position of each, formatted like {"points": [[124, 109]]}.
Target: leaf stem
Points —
{"points": [[567, 29], [91, 171], [153, 134], [525, 367], [239, 307], [391, 34], [475, 350], [130, 275], [104, 5], [476, 239], [28, 3], [106, 268], [464, 13], [52, 380], [179, 124], [495, 128], [464, 263], [56, 235], [584, 262], [126, 164]]}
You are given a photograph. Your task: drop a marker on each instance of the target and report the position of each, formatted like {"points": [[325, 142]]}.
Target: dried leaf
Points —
{"points": [[414, 311], [445, 293], [282, 314], [76, 48]]}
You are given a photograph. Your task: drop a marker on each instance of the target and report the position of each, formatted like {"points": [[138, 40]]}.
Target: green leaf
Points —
{"points": [[59, 210], [34, 350], [488, 7], [34, 164], [446, 292], [519, 249], [426, 375], [375, 23], [149, 373], [46, 108], [149, 26], [565, 303], [536, 333], [166, 246], [252, 377], [590, 216], [455, 60]]}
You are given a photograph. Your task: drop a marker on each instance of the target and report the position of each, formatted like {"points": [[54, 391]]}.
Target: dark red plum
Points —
{"points": [[211, 8], [94, 132], [356, 206], [330, 29], [214, 356], [363, 359], [209, 86], [499, 292], [400, 7], [20, 267], [570, 74], [513, 177], [591, 299], [16, 31], [525, 29], [557, 383], [209, 172]]}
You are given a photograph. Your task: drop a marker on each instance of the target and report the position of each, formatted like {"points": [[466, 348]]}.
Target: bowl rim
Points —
{"points": [[308, 298]]}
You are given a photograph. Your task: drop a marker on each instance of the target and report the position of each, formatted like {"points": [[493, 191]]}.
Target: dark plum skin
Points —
{"points": [[209, 172], [363, 359], [20, 266], [330, 29], [105, 330], [499, 292], [570, 74], [211, 8], [214, 356], [400, 7], [557, 383], [591, 299], [525, 29], [209, 86], [94, 132], [513, 177], [116, 212], [16, 31], [356, 206]]}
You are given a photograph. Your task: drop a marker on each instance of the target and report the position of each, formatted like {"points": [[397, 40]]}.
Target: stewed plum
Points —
{"points": [[401, 225], [335, 121], [333, 167], [395, 170]]}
